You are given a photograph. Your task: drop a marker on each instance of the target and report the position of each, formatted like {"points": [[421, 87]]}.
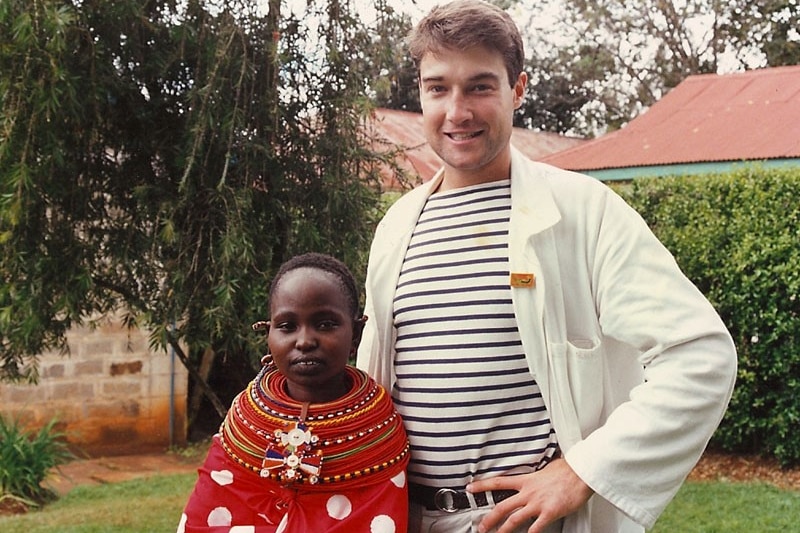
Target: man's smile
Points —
{"points": [[464, 136]]}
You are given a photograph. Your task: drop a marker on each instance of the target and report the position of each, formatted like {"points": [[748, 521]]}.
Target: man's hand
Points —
{"points": [[547, 495]]}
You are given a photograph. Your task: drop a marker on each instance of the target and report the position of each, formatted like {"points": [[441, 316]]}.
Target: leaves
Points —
{"points": [[163, 159], [595, 65], [26, 459], [736, 236]]}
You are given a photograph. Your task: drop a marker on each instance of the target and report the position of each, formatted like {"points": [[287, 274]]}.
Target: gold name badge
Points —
{"points": [[523, 280]]}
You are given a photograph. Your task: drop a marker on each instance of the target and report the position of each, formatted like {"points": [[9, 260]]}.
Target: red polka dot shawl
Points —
{"points": [[279, 466]]}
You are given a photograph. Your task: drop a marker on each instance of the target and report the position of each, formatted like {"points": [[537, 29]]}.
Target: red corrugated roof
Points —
{"points": [[404, 129], [751, 115]]}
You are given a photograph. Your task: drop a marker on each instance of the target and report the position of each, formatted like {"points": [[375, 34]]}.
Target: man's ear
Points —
{"points": [[519, 89]]}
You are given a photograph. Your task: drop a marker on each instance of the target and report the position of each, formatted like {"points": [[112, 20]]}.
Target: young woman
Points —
{"points": [[312, 444]]}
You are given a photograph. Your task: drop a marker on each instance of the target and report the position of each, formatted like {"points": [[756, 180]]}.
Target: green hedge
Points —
{"points": [[737, 236]]}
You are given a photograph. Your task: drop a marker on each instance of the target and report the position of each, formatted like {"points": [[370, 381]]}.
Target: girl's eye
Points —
{"points": [[285, 326], [327, 325]]}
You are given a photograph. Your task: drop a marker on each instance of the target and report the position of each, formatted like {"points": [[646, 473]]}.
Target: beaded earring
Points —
{"points": [[266, 359]]}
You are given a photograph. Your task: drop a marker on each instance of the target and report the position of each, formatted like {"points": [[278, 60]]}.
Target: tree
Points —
{"points": [[557, 98], [160, 159], [394, 83], [595, 65], [770, 26]]}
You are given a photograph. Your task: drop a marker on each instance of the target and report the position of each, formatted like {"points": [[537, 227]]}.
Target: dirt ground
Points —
{"points": [[723, 467], [103, 470], [712, 467]]}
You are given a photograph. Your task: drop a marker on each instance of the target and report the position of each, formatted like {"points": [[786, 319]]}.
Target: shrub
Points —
{"points": [[737, 236], [26, 458]]}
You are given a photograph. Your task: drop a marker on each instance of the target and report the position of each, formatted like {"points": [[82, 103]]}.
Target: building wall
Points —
{"points": [[111, 395]]}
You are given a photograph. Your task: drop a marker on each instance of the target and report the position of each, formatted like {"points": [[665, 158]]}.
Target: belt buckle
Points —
{"points": [[445, 500]]}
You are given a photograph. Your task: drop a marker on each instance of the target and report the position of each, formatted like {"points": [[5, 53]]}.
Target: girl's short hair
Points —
{"points": [[325, 263]]}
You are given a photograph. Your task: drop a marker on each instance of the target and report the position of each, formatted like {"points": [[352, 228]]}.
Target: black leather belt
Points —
{"points": [[452, 500]]}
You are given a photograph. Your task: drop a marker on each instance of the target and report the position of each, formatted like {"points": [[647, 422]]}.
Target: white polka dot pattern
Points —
{"points": [[382, 524], [222, 477], [182, 523], [339, 507], [399, 480], [282, 525], [223, 488], [220, 516]]}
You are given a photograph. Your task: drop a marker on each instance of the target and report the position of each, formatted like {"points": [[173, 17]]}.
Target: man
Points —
{"points": [[554, 368]]}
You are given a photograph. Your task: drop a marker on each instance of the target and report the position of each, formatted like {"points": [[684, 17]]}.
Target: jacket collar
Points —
{"points": [[533, 208], [532, 205]]}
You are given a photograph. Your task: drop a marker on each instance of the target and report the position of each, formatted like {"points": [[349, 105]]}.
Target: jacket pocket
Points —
{"points": [[580, 366]]}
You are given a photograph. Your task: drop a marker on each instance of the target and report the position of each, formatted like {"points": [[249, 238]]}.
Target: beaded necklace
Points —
{"points": [[356, 439]]}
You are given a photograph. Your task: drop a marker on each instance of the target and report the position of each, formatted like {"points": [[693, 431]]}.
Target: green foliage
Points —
{"points": [[736, 236], [394, 85], [163, 158], [558, 93], [26, 458]]}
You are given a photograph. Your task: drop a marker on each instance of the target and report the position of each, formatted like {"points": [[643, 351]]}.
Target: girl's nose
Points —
{"points": [[306, 340]]}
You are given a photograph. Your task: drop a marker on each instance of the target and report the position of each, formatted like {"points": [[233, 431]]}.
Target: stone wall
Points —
{"points": [[111, 395]]}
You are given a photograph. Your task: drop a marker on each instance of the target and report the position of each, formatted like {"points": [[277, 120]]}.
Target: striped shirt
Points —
{"points": [[471, 407]]}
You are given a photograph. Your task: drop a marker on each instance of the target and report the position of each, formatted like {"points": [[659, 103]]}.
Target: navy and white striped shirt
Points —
{"points": [[470, 405]]}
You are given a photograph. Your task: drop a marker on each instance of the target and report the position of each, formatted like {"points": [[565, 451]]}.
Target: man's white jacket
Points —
{"points": [[635, 366]]}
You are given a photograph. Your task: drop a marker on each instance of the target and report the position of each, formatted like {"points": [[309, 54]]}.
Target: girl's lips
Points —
{"points": [[306, 362], [307, 367]]}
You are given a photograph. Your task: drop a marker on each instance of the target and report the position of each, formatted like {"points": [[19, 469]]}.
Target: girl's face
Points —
{"points": [[311, 334]]}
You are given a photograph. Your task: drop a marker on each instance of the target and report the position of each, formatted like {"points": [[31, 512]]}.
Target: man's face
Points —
{"points": [[468, 108]]}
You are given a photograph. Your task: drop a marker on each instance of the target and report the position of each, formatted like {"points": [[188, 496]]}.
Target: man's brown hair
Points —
{"points": [[464, 24]]}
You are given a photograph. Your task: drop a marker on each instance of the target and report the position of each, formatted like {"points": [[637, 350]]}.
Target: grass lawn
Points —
{"points": [[719, 507], [155, 504], [148, 505]]}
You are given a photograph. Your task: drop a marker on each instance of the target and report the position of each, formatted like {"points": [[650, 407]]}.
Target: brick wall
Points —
{"points": [[111, 394]]}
